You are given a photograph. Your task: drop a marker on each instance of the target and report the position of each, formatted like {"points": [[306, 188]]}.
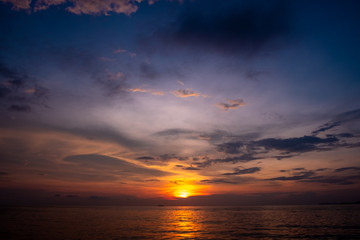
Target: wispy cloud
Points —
{"points": [[238, 171], [142, 90], [185, 93], [340, 119], [121, 50], [180, 82], [231, 104]]}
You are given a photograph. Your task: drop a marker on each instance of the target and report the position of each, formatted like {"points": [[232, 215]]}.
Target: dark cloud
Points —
{"points": [[19, 108], [302, 175], [283, 157], [241, 158], [191, 168], [146, 158], [229, 26], [326, 127], [321, 169], [185, 93], [231, 104], [298, 169], [113, 83], [344, 135], [300, 144], [230, 147], [238, 171], [176, 132], [347, 169], [19, 90], [339, 120], [233, 180], [340, 180], [287, 145]]}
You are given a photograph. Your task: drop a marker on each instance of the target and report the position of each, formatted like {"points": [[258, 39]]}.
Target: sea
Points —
{"points": [[180, 222]]}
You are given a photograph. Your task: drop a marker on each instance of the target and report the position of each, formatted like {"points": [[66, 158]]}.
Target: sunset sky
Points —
{"points": [[193, 101]]}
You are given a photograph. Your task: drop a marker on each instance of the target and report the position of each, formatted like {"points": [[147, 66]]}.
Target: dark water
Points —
{"points": [[267, 222]]}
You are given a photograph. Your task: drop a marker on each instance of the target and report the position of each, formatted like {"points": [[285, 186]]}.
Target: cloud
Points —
{"points": [[19, 108], [287, 145], [176, 132], [267, 148], [18, 4], [340, 119], [113, 83], [185, 93], [18, 90], [238, 171], [91, 7], [341, 180], [145, 158], [191, 168], [142, 90], [234, 180], [120, 50], [228, 26], [302, 175], [180, 82], [233, 160], [230, 147], [300, 144], [231, 104], [347, 169], [122, 167]]}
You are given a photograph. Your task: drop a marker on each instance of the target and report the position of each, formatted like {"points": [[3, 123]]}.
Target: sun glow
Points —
{"points": [[184, 188], [182, 193]]}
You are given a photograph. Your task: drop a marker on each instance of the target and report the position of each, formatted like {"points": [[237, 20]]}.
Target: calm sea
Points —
{"points": [[264, 222]]}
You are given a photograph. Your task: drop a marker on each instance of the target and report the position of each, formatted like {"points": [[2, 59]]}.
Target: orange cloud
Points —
{"points": [[141, 90], [184, 93], [18, 4], [92, 7], [231, 104]]}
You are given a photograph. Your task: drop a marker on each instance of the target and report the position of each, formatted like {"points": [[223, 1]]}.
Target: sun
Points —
{"points": [[183, 188], [182, 193]]}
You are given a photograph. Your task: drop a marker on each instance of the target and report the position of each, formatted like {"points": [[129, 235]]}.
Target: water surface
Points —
{"points": [[263, 222]]}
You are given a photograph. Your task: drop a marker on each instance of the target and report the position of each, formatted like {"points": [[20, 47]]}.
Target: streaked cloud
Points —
{"points": [[180, 82], [185, 93], [142, 90], [120, 50], [231, 104], [238, 171]]}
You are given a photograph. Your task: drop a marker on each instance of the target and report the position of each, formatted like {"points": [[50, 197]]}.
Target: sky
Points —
{"points": [[196, 102]]}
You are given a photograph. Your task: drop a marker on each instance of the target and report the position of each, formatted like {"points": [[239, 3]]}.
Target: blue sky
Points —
{"points": [[157, 98]]}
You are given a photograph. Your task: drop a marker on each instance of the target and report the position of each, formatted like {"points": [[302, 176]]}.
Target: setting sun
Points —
{"points": [[182, 194]]}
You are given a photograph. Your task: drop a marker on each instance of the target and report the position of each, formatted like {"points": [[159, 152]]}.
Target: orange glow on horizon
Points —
{"points": [[183, 189], [182, 194]]}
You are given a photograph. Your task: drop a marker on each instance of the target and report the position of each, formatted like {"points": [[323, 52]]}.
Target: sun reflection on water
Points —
{"points": [[184, 224]]}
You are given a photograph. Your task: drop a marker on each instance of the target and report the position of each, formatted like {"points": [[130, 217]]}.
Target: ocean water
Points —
{"points": [[263, 222]]}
